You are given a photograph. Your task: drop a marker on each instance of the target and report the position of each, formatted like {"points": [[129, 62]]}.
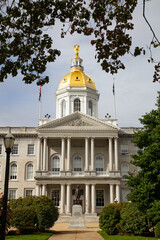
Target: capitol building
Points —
{"points": [[74, 149]]}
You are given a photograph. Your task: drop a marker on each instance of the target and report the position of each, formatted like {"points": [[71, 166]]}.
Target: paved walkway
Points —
{"points": [[63, 233]]}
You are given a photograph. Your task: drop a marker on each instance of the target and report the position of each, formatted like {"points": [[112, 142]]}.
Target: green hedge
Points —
{"points": [[157, 230]]}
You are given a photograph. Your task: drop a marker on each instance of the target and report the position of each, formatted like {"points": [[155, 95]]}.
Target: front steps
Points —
{"points": [[87, 218]]}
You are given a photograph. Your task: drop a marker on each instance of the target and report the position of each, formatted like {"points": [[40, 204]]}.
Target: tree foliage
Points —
{"points": [[146, 184], [26, 47], [9, 213]]}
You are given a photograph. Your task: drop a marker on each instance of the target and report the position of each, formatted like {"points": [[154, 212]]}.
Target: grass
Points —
{"points": [[118, 237], [38, 236]]}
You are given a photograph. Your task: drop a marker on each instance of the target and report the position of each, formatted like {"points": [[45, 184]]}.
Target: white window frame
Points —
{"points": [[53, 168], [13, 173], [28, 150], [124, 149], [11, 191], [57, 203], [75, 168], [96, 163], [124, 172], [101, 206], [25, 192], [27, 172], [15, 150], [77, 105], [125, 192]]}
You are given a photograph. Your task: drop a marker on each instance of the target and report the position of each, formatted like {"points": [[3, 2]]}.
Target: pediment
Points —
{"points": [[77, 121]]}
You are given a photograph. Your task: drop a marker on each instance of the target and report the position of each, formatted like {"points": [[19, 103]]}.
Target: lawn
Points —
{"points": [[40, 236], [118, 237]]}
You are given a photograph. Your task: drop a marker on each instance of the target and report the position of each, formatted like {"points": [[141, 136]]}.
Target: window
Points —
{"points": [[29, 171], [99, 163], [63, 108], [15, 149], [28, 192], [0, 149], [90, 108], [124, 170], [77, 105], [12, 194], [77, 163], [55, 164], [125, 192], [100, 198], [13, 174], [56, 197], [124, 149], [30, 149]]}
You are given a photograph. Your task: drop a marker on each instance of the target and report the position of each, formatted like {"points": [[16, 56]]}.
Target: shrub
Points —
{"points": [[109, 218], [9, 213], [46, 212], [157, 230], [153, 213], [34, 213], [132, 220], [24, 218]]}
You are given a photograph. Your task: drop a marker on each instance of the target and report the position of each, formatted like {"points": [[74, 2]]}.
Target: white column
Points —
{"points": [[62, 153], [47, 158], [87, 193], [111, 193], [39, 155], [92, 154], [62, 209], [110, 155], [118, 192], [68, 154], [37, 190], [68, 198], [44, 154], [86, 155], [43, 190], [93, 194], [116, 153]]}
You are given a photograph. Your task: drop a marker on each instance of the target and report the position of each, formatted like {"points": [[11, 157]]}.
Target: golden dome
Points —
{"points": [[76, 77]]}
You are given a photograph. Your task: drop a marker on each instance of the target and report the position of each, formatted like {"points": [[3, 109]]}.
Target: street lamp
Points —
{"points": [[8, 143]]}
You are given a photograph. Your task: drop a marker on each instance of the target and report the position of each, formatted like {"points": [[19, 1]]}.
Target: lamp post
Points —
{"points": [[8, 142]]}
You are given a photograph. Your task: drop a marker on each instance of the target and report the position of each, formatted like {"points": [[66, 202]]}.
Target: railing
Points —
{"points": [[76, 173], [102, 173]]}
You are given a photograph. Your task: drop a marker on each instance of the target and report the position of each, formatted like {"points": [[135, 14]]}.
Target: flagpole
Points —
{"points": [[40, 103], [114, 96]]}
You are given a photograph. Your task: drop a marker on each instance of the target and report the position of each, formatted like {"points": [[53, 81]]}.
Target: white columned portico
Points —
{"points": [[68, 154], [44, 154], [62, 209], [92, 154], [39, 155], [118, 192], [111, 193], [110, 155], [93, 195], [44, 190], [86, 154], [62, 153], [68, 199], [116, 153], [87, 200]]}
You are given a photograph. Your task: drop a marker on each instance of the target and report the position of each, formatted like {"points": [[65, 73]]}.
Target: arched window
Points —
{"points": [[77, 105], [13, 174], [29, 171], [124, 170], [99, 163], [77, 164], [56, 164], [63, 108], [90, 109]]}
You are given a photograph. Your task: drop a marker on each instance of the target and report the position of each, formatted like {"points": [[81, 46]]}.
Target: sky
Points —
{"points": [[135, 93]]}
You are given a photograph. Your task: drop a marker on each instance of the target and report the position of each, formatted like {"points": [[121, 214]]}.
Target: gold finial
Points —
{"points": [[77, 49]]}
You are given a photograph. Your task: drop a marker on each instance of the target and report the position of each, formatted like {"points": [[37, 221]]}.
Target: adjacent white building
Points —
{"points": [[74, 149]]}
